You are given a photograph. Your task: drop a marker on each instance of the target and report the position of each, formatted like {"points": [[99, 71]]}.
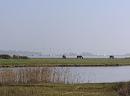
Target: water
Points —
{"points": [[102, 74], [31, 75]]}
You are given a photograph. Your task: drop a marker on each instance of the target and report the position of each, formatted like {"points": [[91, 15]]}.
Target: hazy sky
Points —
{"points": [[83, 25]]}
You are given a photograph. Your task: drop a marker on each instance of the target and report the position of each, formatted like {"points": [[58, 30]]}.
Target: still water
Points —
{"points": [[64, 75]]}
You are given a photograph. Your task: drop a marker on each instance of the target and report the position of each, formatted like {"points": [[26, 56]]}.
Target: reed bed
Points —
{"points": [[34, 75]]}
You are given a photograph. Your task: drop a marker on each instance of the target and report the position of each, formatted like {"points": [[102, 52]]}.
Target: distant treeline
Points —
{"points": [[6, 56]]}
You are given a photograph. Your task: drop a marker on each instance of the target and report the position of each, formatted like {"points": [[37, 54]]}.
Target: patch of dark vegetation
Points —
{"points": [[5, 56], [123, 89], [20, 57], [127, 57]]}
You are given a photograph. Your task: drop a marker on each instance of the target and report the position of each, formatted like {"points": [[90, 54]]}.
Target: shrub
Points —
{"points": [[5, 56]]}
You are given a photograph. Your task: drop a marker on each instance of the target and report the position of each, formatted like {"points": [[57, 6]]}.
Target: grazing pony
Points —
{"points": [[111, 57], [79, 57]]}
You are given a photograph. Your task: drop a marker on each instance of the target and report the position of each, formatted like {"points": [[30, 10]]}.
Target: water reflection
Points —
{"points": [[32, 75]]}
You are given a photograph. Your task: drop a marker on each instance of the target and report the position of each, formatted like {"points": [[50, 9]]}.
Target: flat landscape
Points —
{"points": [[61, 89], [64, 62], [64, 48]]}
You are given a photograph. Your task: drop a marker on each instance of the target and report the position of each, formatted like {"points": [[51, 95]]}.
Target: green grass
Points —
{"points": [[59, 90], [64, 62]]}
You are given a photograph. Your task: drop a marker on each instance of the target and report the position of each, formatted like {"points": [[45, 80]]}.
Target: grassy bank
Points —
{"points": [[64, 62], [113, 89], [59, 90]]}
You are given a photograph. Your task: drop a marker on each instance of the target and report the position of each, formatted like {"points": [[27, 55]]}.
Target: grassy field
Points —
{"points": [[59, 90], [64, 62], [63, 89]]}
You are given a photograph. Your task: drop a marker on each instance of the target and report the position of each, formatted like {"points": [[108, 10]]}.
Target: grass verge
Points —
{"points": [[63, 62], [59, 90]]}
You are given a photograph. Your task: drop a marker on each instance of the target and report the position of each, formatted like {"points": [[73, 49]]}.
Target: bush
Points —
{"points": [[5, 56], [19, 57], [123, 89]]}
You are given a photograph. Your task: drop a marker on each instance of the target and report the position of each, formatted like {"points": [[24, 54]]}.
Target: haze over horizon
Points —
{"points": [[100, 26]]}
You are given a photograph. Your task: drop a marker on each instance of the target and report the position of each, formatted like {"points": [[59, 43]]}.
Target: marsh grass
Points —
{"points": [[58, 90], [64, 62], [123, 89], [34, 75], [39, 82], [24, 75]]}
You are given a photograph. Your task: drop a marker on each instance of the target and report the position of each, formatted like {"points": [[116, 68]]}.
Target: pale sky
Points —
{"points": [[83, 25]]}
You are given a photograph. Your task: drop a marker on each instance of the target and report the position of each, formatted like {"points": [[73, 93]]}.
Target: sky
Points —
{"points": [[79, 25]]}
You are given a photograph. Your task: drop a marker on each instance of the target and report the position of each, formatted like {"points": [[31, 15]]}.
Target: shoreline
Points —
{"points": [[60, 65]]}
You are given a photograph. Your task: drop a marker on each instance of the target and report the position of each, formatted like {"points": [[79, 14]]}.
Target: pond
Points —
{"points": [[30, 75]]}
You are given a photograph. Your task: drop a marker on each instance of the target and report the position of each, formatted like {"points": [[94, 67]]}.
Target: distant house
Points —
{"points": [[79, 57], [111, 57], [5, 56]]}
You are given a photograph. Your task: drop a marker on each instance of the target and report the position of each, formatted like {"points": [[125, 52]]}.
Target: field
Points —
{"points": [[64, 62], [59, 90], [49, 89]]}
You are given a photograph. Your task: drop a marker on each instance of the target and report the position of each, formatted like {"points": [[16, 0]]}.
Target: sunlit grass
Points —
{"points": [[64, 62], [59, 90]]}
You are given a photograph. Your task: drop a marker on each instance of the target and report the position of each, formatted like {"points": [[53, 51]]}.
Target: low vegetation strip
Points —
{"points": [[63, 62], [59, 90]]}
